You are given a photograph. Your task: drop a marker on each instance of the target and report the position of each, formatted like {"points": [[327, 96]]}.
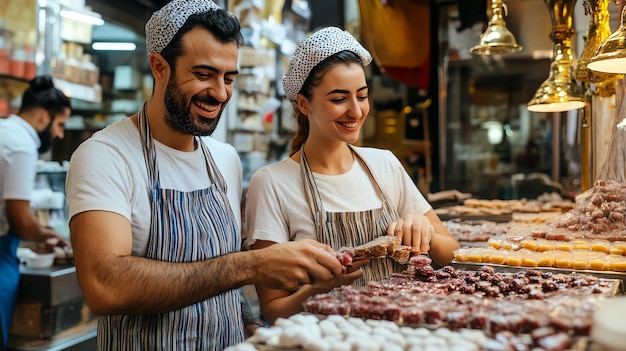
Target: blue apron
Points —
{"points": [[9, 282], [185, 227]]}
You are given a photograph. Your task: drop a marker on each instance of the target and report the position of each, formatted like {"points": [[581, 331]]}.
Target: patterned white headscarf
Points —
{"points": [[315, 49], [165, 23]]}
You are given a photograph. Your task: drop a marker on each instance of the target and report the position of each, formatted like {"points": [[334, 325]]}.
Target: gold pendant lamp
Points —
{"points": [[611, 54], [496, 39], [597, 31], [559, 92]]}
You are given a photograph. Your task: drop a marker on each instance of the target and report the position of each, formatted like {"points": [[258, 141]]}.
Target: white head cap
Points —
{"points": [[165, 23], [315, 49]]}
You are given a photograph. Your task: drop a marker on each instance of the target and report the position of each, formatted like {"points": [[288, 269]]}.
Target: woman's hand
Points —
{"points": [[351, 274], [414, 230]]}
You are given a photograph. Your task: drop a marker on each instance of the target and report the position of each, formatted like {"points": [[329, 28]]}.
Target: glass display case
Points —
{"points": [[490, 144]]}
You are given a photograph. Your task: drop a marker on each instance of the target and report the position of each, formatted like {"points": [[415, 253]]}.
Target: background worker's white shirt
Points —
{"points": [[19, 145]]}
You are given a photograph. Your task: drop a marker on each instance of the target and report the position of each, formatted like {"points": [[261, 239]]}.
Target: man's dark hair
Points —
{"points": [[42, 93], [222, 24]]}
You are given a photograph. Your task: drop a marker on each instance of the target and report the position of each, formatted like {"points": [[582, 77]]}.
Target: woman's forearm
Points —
{"points": [[288, 305]]}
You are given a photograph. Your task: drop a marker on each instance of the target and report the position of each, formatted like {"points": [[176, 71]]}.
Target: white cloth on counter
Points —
{"points": [[108, 173], [277, 208], [47, 199]]}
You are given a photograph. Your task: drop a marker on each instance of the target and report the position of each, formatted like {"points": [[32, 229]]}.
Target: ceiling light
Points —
{"points": [[560, 92], [496, 39], [611, 54], [113, 46], [90, 18]]}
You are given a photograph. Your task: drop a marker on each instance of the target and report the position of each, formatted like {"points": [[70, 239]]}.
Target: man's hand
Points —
{"points": [[53, 239], [289, 265], [353, 273], [414, 230]]}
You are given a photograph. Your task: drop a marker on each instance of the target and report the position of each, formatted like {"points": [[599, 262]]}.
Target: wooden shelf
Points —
{"points": [[14, 78]]}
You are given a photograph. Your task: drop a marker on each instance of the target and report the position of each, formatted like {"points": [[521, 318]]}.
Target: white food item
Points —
{"points": [[316, 345], [379, 338], [422, 332], [355, 339], [335, 318], [383, 331], [478, 337], [288, 338], [340, 346], [459, 341], [416, 348], [414, 341], [347, 333], [397, 338], [392, 347], [273, 341], [373, 323], [333, 339], [390, 325], [304, 319], [293, 337], [434, 340], [406, 331], [245, 346], [313, 330], [328, 328], [284, 322], [443, 332], [368, 345], [608, 328], [360, 324], [468, 346], [262, 335]]}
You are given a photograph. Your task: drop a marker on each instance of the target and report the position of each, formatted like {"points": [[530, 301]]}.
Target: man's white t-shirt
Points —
{"points": [[19, 143], [277, 207], [108, 172]]}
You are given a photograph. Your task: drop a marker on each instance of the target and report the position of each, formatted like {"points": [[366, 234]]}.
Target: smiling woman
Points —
{"points": [[330, 190]]}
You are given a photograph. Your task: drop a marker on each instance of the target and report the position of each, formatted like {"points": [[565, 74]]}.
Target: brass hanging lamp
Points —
{"points": [[496, 39], [559, 92], [611, 54], [597, 31]]}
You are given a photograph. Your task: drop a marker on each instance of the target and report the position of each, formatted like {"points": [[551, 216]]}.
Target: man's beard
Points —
{"points": [[46, 139], [179, 114]]}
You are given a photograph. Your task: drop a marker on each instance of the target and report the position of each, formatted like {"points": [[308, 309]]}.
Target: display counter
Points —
{"points": [[78, 338], [51, 313]]}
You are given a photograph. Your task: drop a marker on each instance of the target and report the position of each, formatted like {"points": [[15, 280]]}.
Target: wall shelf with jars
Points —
{"points": [[254, 101]]}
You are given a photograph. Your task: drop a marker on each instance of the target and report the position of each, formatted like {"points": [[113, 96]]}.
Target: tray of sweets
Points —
{"points": [[474, 243], [317, 332], [616, 279], [476, 217]]}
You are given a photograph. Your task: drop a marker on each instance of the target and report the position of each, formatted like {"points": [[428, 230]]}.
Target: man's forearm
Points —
{"points": [[134, 285]]}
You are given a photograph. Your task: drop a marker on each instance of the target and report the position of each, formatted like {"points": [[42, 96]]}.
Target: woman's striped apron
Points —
{"points": [[185, 227], [351, 229]]}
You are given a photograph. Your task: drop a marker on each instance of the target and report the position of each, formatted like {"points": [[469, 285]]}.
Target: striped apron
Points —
{"points": [[185, 227], [351, 229]]}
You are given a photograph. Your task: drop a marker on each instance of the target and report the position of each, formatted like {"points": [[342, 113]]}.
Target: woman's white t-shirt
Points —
{"points": [[277, 207]]}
